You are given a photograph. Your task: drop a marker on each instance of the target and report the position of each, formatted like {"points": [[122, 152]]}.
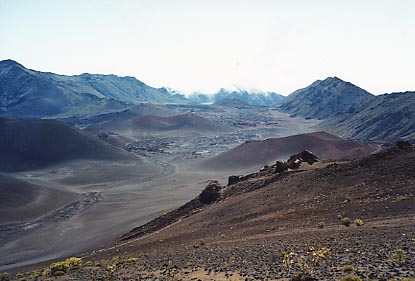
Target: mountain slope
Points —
{"points": [[258, 153], [22, 201], [32, 144], [30, 93], [387, 117], [326, 98]]}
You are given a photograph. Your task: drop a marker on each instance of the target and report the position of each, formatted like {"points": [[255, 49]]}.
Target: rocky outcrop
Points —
{"points": [[280, 167], [211, 193], [305, 156], [234, 179]]}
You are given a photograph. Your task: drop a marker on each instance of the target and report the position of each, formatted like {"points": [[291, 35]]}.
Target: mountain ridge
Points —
{"points": [[388, 117], [30, 93]]}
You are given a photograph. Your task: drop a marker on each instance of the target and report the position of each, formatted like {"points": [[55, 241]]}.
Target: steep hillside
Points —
{"points": [[30, 93], [127, 89], [31, 144], [23, 201], [326, 98], [258, 153], [388, 117]]}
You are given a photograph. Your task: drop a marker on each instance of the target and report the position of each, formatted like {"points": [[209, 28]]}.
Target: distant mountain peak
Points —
{"points": [[8, 64], [330, 81], [326, 98]]}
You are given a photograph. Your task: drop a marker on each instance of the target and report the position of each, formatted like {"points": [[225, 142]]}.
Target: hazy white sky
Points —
{"points": [[195, 45]]}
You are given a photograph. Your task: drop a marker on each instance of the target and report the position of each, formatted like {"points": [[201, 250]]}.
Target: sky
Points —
{"points": [[204, 45]]}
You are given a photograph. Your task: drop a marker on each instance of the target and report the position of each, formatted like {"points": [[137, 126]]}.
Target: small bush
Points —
{"points": [[346, 222], [198, 244], [320, 225], [399, 257], [111, 268], [58, 273], [4, 277], [119, 261], [400, 198], [349, 268], [303, 276], [359, 222], [64, 266], [351, 278]]}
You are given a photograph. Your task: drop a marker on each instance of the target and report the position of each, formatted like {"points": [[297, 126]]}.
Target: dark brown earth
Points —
{"points": [[242, 235], [257, 153]]}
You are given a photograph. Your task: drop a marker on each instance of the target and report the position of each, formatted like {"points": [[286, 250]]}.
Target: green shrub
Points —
{"points": [[359, 222], [68, 264], [4, 276], [351, 278], [320, 225], [346, 221], [58, 273], [303, 276], [348, 268], [399, 257]]}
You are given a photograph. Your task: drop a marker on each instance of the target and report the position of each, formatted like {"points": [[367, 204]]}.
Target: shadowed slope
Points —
{"points": [[388, 117], [31, 144]]}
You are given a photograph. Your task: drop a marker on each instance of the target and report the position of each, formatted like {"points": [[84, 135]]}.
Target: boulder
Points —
{"points": [[280, 166], [233, 180], [211, 193]]}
